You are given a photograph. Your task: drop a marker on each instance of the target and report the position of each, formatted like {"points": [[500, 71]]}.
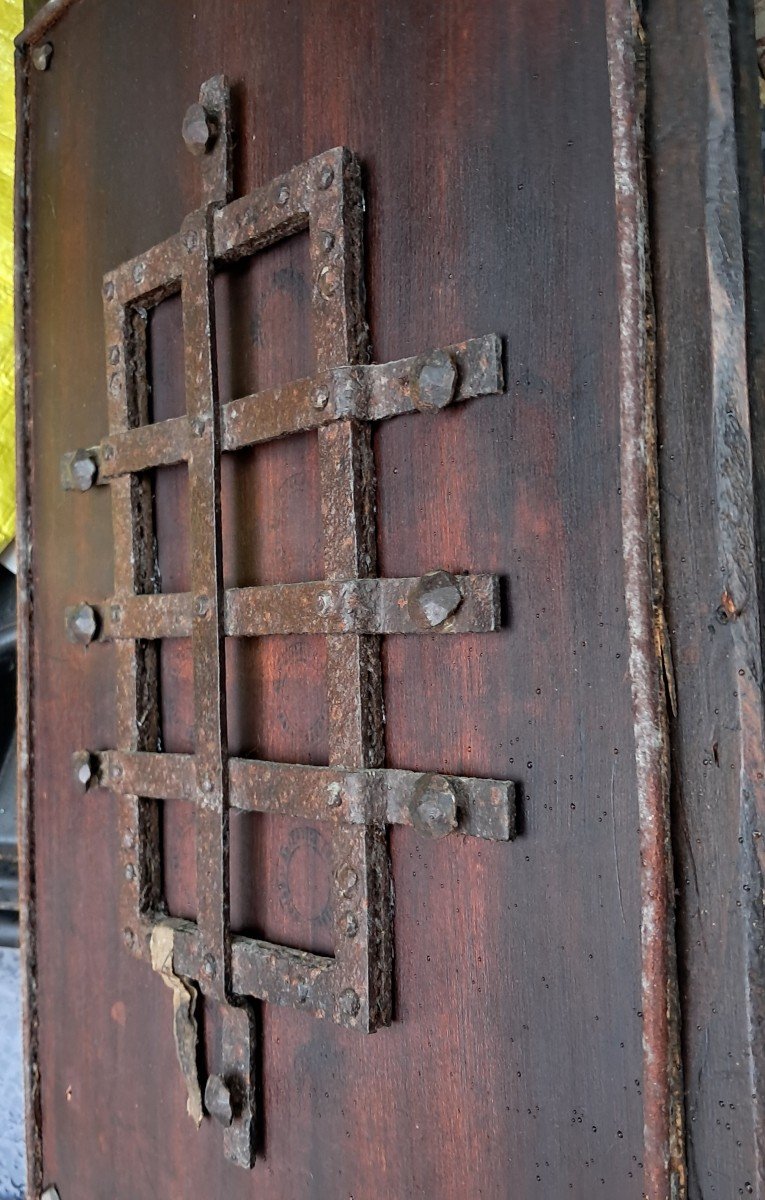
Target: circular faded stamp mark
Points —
{"points": [[304, 876]]}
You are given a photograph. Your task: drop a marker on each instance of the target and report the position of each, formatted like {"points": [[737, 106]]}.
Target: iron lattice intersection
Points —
{"points": [[354, 795]]}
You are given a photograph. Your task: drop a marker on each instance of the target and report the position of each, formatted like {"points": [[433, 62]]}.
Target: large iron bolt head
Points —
{"points": [[433, 806], [219, 1100], [84, 470], [199, 130], [82, 624], [41, 56], [435, 381], [84, 766], [434, 599]]}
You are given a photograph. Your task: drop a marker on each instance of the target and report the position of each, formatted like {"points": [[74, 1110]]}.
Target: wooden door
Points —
{"points": [[528, 1041]]}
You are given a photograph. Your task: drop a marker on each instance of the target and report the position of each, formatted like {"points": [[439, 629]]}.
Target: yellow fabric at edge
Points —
{"points": [[11, 21]]}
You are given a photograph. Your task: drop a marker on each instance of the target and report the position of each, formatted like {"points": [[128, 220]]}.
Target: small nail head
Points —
{"points": [[327, 282], [326, 176], [321, 397], [349, 1003], [347, 879], [130, 872], [349, 924], [209, 965], [282, 196], [334, 795]]}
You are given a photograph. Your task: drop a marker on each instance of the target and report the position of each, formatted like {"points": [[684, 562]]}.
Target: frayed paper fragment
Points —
{"points": [[185, 1027]]}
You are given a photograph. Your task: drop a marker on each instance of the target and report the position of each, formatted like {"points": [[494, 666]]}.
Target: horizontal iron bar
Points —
{"points": [[369, 393], [358, 606], [263, 970], [485, 807]]}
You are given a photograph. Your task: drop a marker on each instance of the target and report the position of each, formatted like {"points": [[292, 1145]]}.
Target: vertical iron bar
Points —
{"points": [[135, 662], [363, 944], [207, 638]]}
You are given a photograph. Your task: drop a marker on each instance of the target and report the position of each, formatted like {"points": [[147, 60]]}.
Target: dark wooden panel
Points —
{"points": [[707, 329], [514, 1064]]}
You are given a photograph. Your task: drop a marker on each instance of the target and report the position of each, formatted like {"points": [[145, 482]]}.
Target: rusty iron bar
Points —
{"points": [[362, 888], [137, 716], [350, 606], [373, 392], [485, 807], [207, 634]]}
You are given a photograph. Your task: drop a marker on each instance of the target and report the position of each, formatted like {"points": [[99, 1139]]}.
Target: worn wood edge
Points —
{"points": [[43, 20], [737, 414], [663, 1118], [25, 617]]}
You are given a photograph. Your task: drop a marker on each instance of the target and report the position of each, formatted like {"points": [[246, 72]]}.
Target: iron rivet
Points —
{"points": [[84, 773], [349, 924], [219, 1101], [130, 871], [114, 384], [109, 290], [723, 615], [114, 355], [82, 624], [199, 130], [349, 1003], [198, 426], [108, 451], [283, 196], [116, 613], [84, 471], [434, 382], [433, 599], [302, 991], [327, 282], [128, 938], [346, 879], [207, 785], [327, 239], [321, 397], [191, 240], [326, 177], [209, 965], [334, 795], [433, 806], [128, 839], [202, 606], [41, 56], [138, 272], [116, 771], [324, 604]]}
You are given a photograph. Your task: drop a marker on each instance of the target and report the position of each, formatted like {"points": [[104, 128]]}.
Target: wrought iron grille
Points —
{"points": [[354, 795]]}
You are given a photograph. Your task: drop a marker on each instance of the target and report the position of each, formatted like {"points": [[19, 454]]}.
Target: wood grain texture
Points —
{"points": [[513, 1066], [702, 140]]}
